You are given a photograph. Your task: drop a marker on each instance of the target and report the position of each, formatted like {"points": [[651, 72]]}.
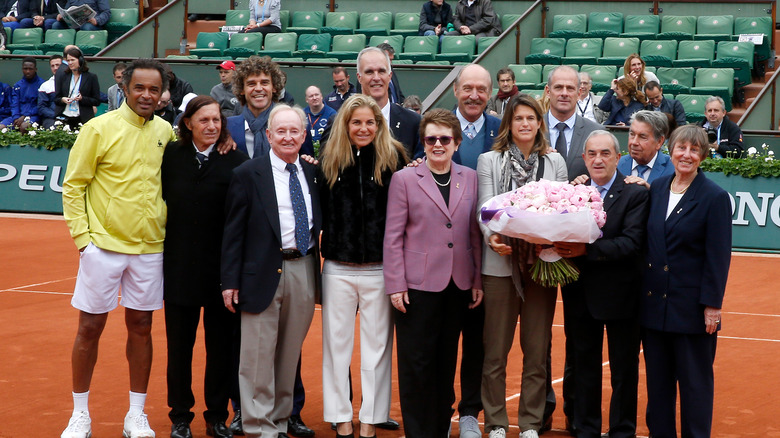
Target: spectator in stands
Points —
{"points": [[622, 100], [264, 16], [9, 12], [317, 114], [24, 98], [101, 7], [223, 92], [724, 136], [586, 99], [635, 68], [435, 18], [476, 17], [506, 90], [256, 83], [77, 91], [165, 109], [413, 103], [47, 110], [178, 87], [5, 101], [34, 13], [115, 93], [395, 93], [657, 102], [342, 88], [647, 134], [284, 96], [3, 36]]}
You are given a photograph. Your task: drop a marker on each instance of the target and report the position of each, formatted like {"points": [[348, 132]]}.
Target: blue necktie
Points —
{"points": [[641, 169], [202, 158], [560, 142], [471, 131], [299, 209], [602, 191]]}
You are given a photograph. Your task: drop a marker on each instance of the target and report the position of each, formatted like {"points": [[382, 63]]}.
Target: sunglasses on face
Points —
{"points": [[444, 139]]}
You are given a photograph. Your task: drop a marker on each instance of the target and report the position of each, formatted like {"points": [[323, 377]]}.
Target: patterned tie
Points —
{"points": [[470, 131], [560, 142], [299, 209], [120, 97], [602, 191], [641, 169], [202, 158]]}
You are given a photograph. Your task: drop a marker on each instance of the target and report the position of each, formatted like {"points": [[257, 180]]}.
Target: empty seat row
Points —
{"points": [[31, 39]]}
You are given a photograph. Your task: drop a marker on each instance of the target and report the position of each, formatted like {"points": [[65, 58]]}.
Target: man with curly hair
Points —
{"points": [[257, 84]]}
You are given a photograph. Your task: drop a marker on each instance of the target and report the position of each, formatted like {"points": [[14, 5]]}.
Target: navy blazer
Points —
{"points": [[235, 126], [688, 256], [673, 107], [610, 277], [662, 167], [251, 247], [618, 112]]}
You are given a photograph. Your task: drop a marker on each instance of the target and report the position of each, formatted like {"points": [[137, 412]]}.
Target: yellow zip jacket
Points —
{"points": [[112, 193]]}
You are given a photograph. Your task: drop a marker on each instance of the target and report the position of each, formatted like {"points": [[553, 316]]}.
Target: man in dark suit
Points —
{"points": [[34, 13], [606, 295], [646, 135], [657, 102], [727, 141], [270, 269]]}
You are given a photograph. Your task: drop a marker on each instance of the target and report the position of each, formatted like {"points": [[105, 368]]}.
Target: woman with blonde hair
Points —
{"points": [[355, 171], [519, 156], [622, 101], [634, 68]]}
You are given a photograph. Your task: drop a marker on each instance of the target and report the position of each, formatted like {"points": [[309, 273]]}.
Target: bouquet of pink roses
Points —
{"points": [[544, 212]]}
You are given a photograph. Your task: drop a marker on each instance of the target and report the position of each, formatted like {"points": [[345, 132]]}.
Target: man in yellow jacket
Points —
{"points": [[112, 202]]}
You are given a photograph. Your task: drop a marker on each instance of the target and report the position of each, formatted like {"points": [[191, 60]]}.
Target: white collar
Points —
{"points": [[207, 152], [464, 123], [386, 112]]}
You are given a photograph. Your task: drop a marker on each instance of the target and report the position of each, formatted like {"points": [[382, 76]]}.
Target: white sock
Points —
{"points": [[137, 401], [81, 402]]}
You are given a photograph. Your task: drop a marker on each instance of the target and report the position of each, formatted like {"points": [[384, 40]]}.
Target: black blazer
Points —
{"points": [[688, 256], [431, 16], [731, 145], [32, 8], [610, 272], [90, 94], [196, 219], [251, 248]]}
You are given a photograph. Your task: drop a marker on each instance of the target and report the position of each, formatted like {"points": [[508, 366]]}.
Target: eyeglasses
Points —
{"points": [[444, 139]]}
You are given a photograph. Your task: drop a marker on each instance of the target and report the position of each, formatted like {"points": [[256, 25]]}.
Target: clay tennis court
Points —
{"points": [[38, 265]]}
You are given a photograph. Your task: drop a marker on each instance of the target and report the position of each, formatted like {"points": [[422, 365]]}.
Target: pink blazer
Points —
{"points": [[427, 243]]}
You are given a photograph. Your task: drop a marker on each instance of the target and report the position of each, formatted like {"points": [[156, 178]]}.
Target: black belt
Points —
{"points": [[292, 254]]}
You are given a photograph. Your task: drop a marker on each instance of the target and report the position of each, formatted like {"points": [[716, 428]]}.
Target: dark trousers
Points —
{"points": [[473, 354], [427, 351], [265, 30], [181, 326], [673, 359]]}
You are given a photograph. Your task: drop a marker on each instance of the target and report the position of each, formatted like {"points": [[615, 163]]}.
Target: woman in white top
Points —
{"points": [[264, 16], [634, 67]]}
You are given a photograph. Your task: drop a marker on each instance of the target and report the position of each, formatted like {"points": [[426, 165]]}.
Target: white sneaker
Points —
{"points": [[529, 434], [469, 427], [79, 426], [498, 432], [137, 426]]}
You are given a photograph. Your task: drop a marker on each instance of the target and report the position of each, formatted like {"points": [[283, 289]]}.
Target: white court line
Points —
{"points": [[56, 217], [36, 292], [39, 284], [748, 339], [752, 314]]}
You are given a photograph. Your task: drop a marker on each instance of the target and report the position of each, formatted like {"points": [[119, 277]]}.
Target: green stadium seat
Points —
{"points": [[693, 105], [286, 59], [26, 39], [57, 39], [659, 53], [402, 61], [457, 48], [93, 41], [546, 69], [508, 19], [420, 48], [324, 60], [313, 45], [304, 22], [536, 94], [432, 62], [207, 44], [397, 41], [762, 25], [738, 56], [406, 24], [677, 27], [375, 23], [715, 82], [582, 51], [546, 51], [484, 42], [695, 53], [340, 23], [616, 50], [28, 52], [641, 26], [182, 57], [569, 26], [213, 58], [601, 75], [347, 47], [676, 80], [284, 17], [714, 27], [604, 24], [527, 75], [244, 45], [279, 45], [121, 21], [237, 17]]}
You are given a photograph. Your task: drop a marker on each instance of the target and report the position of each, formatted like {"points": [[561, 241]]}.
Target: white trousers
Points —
{"points": [[345, 288]]}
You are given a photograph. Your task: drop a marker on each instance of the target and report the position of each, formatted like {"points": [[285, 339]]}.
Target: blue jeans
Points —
{"points": [[13, 25], [28, 22], [85, 26]]}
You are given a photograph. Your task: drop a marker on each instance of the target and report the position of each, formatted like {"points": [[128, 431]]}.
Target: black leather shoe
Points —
{"points": [[547, 426], [218, 430], [181, 430], [296, 427], [235, 426], [570, 427], [390, 424], [282, 435]]}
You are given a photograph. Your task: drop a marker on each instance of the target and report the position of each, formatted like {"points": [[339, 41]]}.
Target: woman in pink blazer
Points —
{"points": [[432, 263]]}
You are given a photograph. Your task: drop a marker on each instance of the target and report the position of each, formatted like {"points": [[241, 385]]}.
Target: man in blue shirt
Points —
{"points": [[24, 97], [101, 7], [317, 114]]}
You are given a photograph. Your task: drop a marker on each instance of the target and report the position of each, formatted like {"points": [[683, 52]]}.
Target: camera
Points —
{"points": [[712, 135]]}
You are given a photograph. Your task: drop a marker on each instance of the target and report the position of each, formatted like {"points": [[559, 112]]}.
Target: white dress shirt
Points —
{"points": [[284, 203], [568, 132]]}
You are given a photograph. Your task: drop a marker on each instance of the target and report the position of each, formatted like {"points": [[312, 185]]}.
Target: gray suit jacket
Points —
{"points": [[112, 98], [574, 162]]}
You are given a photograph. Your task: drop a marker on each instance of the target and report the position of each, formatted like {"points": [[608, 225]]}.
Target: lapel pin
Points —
{"points": [[457, 185], [678, 211], [491, 133], [398, 125]]}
